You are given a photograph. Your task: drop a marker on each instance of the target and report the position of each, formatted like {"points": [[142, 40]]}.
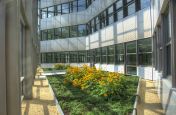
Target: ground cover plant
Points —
{"points": [[88, 91], [57, 67]]}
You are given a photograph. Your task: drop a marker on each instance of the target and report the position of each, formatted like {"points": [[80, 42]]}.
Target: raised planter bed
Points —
{"points": [[76, 101]]}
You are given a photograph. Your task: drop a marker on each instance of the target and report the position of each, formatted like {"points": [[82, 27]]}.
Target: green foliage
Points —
{"points": [[75, 101], [61, 66]]}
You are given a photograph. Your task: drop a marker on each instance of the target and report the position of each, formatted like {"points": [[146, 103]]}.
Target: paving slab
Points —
{"points": [[149, 102], [43, 102]]}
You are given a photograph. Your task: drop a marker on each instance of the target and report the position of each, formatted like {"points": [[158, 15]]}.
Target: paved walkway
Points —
{"points": [[149, 103], [43, 101]]}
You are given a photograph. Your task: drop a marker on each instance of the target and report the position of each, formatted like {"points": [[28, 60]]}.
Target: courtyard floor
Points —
{"points": [[43, 102]]}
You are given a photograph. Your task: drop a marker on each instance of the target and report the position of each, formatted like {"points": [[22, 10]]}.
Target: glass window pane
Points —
{"points": [[145, 59], [82, 30], [82, 57], [111, 19], [50, 12], [73, 31], [145, 3], [103, 19], [131, 8], [44, 13], [65, 8], [120, 49], [73, 57], [168, 57], [81, 5], [73, 6], [44, 35], [92, 26], [97, 54], [120, 59], [58, 33], [88, 2], [131, 59], [119, 14], [110, 10], [104, 51], [131, 70], [50, 34], [131, 47], [111, 50], [65, 32], [97, 21], [145, 45], [119, 4], [58, 12], [62, 57]]}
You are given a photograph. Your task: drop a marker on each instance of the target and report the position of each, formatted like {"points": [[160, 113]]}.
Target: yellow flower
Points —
{"points": [[105, 95]]}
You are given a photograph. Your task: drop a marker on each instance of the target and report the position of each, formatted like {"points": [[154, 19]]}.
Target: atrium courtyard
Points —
{"points": [[87, 57]]}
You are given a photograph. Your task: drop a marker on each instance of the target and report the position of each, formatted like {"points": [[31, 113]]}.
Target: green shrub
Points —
{"points": [[61, 66]]}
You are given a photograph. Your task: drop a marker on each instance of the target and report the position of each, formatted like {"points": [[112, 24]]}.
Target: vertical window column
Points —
{"points": [[131, 58]]}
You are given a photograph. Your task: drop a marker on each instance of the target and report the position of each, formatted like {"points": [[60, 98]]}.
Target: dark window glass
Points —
{"points": [[120, 51], [50, 12], [110, 10], [81, 30], [131, 70], [82, 57], [110, 15], [58, 33], [43, 57], [65, 32], [56, 58], [97, 54], [131, 9], [145, 3], [131, 59], [49, 57], [62, 57], [44, 35], [88, 2], [119, 14], [168, 66], [145, 45], [111, 50], [58, 12], [131, 47], [73, 6], [73, 31], [81, 5], [88, 28], [103, 19], [104, 55], [44, 13], [50, 34], [111, 19], [145, 59], [111, 54], [129, 1], [145, 51], [119, 4], [120, 59], [97, 21], [88, 56], [73, 57], [65, 8], [92, 26]]}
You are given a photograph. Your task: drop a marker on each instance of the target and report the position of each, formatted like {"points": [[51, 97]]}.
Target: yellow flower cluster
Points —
{"points": [[87, 78]]}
